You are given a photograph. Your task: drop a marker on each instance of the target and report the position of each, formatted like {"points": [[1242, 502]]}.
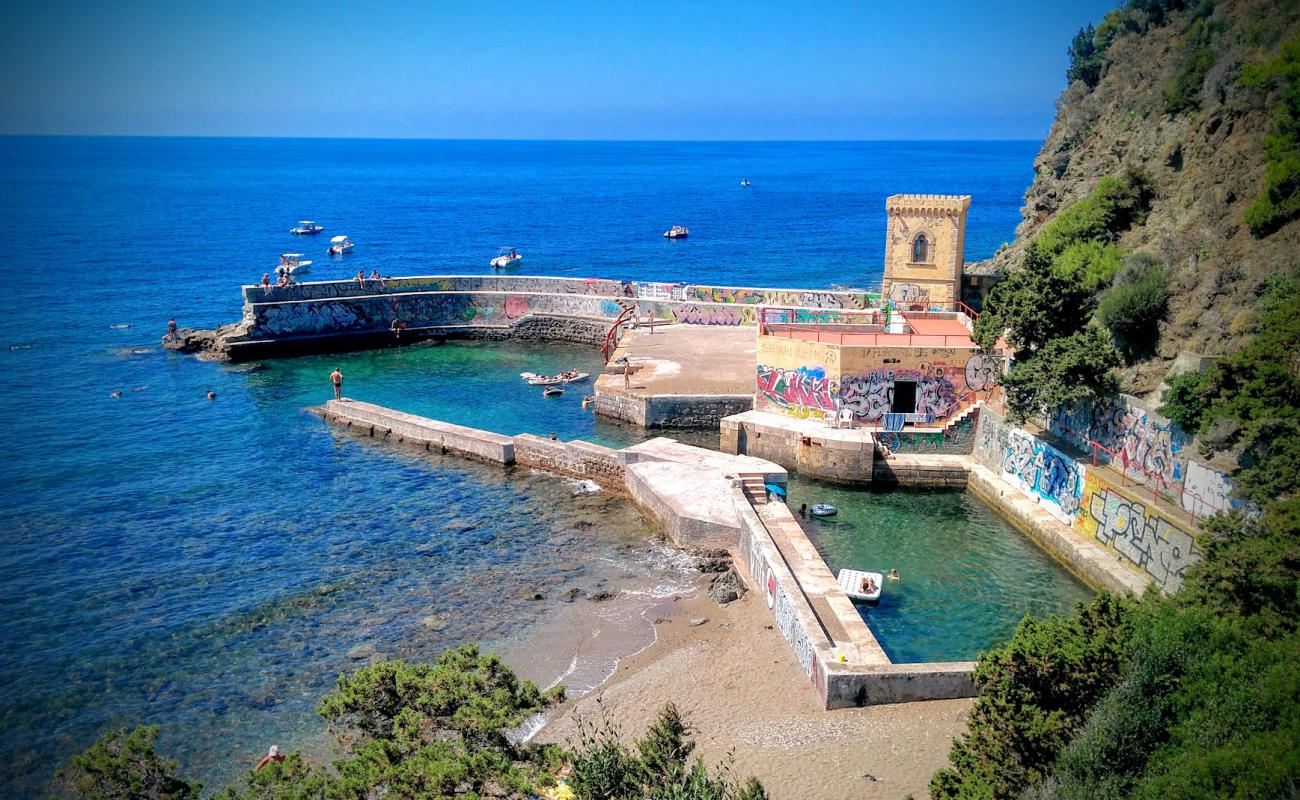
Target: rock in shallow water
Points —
{"points": [[726, 588]]}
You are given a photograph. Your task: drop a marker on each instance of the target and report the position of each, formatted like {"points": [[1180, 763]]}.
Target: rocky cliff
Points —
{"points": [[1158, 86]]}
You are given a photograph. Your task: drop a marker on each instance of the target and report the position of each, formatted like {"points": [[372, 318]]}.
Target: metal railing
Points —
{"points": [[1158, 481]]}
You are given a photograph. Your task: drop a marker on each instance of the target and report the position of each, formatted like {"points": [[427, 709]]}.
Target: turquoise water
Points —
{"points": [[968, 576], [206, 566]]}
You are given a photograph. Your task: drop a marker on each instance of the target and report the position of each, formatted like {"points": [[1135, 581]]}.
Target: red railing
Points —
{"points": [[1157, 480], [611, 337], [814, 333]]}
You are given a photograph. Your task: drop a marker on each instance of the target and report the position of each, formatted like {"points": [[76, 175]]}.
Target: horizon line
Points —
{"points": [[489, 139]]}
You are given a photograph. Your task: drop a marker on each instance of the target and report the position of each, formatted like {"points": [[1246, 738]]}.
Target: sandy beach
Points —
{"points": [[746, 695]]}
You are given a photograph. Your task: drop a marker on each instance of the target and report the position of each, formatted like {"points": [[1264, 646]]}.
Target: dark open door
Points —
{"points": [[904, 397]]}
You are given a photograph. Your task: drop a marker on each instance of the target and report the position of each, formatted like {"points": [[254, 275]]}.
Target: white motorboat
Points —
{"points": [[861, 586], [340, 245], [292, 264], [306, 228], [534, 379], [677, 232], [506, 257]]}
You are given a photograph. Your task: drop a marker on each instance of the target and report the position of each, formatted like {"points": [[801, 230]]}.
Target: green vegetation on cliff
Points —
{"points": [[1279, 78], [1194, 695]]}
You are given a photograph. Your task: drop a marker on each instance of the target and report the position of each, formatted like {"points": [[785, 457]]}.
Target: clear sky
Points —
{"points": [[908, 69]]}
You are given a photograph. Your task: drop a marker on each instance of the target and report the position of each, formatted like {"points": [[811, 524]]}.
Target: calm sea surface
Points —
{"points": [[207, 566]]}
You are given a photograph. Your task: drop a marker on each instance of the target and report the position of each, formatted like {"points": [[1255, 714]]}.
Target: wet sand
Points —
{"points": [[746, 695]]}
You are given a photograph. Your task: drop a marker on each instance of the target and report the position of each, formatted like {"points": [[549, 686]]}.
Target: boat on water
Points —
{"points": [[292, 264], [534, 379], [507, 257], [744, 181], [552, 391], [306, 228], [861, 586], [340, 245], [677, 232]]}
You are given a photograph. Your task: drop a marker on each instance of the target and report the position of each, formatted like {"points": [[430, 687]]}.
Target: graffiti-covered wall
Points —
{"points": [[1139, 534], [813, 380], [417, 311], [804, 298], [1156, 450], [1136, 531]]}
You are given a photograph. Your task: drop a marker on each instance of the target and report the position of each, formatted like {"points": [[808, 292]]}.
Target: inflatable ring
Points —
{"points": [[823, 510]]}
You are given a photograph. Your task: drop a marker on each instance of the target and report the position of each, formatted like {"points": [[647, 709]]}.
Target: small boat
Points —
{"points": [[534, 379], [677, 232], [861, 586], [744, 181], [292, 264], [306, 228], [823, 510], [552, 391], [340, 245], [507, 257]]}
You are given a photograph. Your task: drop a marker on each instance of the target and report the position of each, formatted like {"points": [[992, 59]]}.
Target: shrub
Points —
{"points": [[1034, 691], [1182, 91], [1184, 400], [125, 766], [1279, 199], [1115, 204], [1091, 262], [1132, 309], [1086, 58], [659, 766], [1065, 371]]}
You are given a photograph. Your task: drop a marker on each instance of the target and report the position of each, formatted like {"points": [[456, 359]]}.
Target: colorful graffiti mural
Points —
{"points": [[1142, 536], [1155, 450], [780, 297], [1145, 538], [1041, 471], [872, 395], [804, 392], [956, 439]]}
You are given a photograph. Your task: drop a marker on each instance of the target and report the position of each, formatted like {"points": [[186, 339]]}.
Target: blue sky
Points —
{"points": [[913, 69]]}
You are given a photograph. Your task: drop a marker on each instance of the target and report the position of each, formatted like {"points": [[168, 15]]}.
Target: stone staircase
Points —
{"points": [[752, 484]]}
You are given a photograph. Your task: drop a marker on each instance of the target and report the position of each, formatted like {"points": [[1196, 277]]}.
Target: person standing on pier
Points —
{"points": [[627, 374], [336, 378]]}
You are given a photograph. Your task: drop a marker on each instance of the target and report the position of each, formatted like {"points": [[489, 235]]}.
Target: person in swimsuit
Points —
{"points": [[171, 330], [271, 755], [336, 378]]}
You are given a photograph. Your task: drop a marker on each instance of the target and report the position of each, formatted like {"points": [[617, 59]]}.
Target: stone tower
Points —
{"points": [[924, 249]]}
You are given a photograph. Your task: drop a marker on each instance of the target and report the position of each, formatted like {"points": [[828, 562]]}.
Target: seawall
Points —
{"points": [[323, 316]]}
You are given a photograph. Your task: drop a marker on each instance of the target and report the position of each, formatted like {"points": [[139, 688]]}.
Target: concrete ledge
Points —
{"points": [[912, 469], [1090, 563], [898, 683], [398, 426]]}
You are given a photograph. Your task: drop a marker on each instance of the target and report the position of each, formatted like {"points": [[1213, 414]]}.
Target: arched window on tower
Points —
{"points": [[920, 249]]}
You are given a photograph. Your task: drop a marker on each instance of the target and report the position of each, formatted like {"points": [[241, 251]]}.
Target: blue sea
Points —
{"points": [[207, 566]]}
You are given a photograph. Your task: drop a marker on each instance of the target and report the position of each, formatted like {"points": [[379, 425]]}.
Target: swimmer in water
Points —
{"points": [[116, 395], [212, 395], [894, 576]]}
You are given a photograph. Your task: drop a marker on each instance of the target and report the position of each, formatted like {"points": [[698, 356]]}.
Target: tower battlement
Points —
{"points": [[925, 245], [920, 203]]}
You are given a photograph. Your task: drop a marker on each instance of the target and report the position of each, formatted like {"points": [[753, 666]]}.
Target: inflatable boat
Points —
{"points": [[861, 586]]}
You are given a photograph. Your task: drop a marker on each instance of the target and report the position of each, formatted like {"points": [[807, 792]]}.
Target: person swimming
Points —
{"points": [[894, 576]]}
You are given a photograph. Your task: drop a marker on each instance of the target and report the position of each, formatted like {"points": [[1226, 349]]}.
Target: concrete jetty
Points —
{"points": [[705, 498]]}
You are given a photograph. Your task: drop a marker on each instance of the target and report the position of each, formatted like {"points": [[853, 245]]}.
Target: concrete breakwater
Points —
{"points": [[705, 498], [322, 316]]}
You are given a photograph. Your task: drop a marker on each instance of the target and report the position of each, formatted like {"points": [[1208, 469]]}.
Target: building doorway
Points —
{"points": [[904, 401]]}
